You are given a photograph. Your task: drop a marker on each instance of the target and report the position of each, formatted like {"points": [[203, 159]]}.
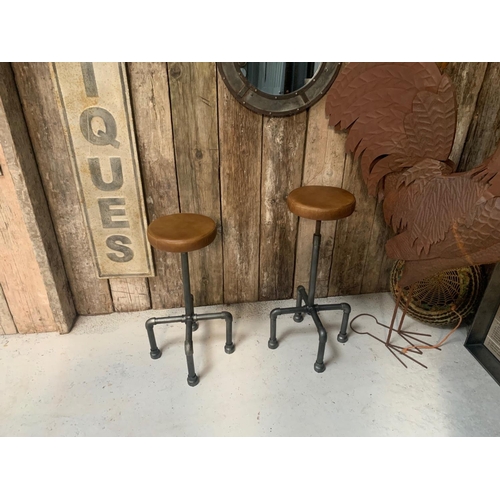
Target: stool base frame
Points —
{"points": [[191, 320], [306, 305]]}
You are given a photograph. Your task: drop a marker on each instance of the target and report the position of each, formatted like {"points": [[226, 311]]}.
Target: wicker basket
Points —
{"points": [[433, 298]]}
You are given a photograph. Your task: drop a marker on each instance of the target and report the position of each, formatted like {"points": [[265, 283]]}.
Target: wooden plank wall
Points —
{"points": [[484, 131], [283, 144], [193, 90], [35, 294], [201, 151], [91, 295], [151, 106], [240, 140], [20, 277]]}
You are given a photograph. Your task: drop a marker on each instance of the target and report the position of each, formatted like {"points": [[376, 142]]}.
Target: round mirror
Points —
{"points": [[278, 89]]}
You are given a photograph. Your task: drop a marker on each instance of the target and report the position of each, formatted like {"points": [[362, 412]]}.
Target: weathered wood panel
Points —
{"points": [[353, 234], [283, 142], [39, 100], [377, 266], [151, 106], [484, 131], [20, 275], [467, 78], [24, 174], [240, 139], [193, 90], [323, 166], [130, 294], [7, 324]]}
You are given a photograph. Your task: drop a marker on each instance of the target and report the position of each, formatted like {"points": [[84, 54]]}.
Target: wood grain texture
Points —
{"points": [[484, 130], [283, 142], [240, 140], [149, 91], [377, 267], [354, 237], [242, 263], [193, 91], [130, 294], [7, 324], [323, 166], [23, 170], [20, 275], [39, 100], [467, 78]]}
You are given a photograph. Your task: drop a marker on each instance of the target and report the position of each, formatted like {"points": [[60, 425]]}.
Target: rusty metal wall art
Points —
{"points": [[401, 119]]}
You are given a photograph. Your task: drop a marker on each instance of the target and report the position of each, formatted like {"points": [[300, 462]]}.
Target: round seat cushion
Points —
{"points": [[321, 202], [181, 232]]}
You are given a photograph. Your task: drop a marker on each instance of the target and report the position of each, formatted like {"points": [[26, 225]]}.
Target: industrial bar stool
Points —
{"points": [[318, 203], [183, 233]]}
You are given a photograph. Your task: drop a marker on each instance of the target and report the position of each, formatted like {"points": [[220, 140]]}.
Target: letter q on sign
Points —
{"points": [[103, 137]]}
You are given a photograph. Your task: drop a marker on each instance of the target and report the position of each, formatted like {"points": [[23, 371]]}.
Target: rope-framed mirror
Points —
{"points": [[278, 89]]}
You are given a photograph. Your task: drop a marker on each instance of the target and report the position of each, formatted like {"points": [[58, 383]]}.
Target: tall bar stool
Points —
{"points": [[183, 233], [319, 203]]}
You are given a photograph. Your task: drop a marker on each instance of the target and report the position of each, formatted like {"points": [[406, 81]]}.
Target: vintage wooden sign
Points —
{"points": [[95, 105]]}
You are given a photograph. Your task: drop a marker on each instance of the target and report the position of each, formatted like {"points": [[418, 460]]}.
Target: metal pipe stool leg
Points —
{"points": [[301, 297], [309, 307], [155, 353], [189, 307], [192, 379], [191, 320]]}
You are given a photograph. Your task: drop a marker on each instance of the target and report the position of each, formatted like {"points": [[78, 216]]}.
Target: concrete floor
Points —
{"points": [[100, 381]]}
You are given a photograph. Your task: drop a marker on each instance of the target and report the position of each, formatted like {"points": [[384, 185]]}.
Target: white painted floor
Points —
{"points": [[100, 381]]}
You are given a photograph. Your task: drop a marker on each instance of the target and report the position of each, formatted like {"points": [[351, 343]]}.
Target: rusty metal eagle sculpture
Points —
{"points": [[401, 119]]}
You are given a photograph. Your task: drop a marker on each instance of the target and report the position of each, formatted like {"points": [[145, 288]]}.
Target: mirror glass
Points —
{"points": [[279, 78]]}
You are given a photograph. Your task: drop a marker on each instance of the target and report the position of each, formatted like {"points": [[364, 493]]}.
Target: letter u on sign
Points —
{"points": [[94, 103]]}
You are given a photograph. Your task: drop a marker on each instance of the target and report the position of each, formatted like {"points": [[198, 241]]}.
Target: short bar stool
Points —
{"points": [[183, 233], [319, 203]]}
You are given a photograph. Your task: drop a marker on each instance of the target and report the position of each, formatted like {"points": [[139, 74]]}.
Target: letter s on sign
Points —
{"points": [[117, 242]]}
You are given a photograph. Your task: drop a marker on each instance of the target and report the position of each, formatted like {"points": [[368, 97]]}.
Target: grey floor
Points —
{"points": [[100, 381]]}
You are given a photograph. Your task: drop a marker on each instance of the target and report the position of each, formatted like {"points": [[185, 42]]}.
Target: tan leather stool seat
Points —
{"points": [[321, 202], [181, 232]]}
